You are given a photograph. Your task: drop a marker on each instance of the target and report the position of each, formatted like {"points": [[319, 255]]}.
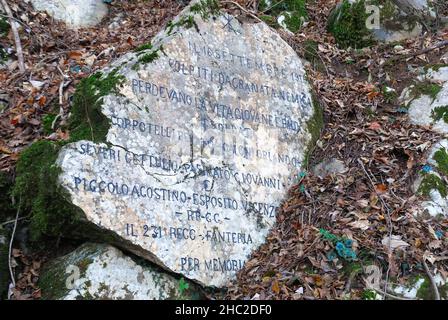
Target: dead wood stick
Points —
{"points": [[19, 50], [244, 10], [439, 45], [10, 246], [389, 222], [387, 294], [433, 282]]}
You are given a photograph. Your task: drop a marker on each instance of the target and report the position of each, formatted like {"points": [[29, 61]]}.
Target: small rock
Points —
{"points": [[75, 13], [99, 271], [329, 167]]}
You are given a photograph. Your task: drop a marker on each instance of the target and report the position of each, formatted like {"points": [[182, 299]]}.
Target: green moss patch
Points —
{"points": [[426, 88], [314, 127], [146, 46], [87, 122], [186, 22], [36, 185], [432, 182], [347, 23], [206, 8], [37, 189], [440, 113], [441, 158], [4, 26]]}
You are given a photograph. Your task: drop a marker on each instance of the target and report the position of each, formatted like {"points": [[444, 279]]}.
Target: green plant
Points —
{"points": [[183, 287], [47, 122]]}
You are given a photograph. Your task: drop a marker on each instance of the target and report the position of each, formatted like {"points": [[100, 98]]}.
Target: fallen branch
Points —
{"points": [[384, 293], [10, 246], [11, 221], [433, 282], [244, 10], [439, 45], [389, 220], [15, 32]]}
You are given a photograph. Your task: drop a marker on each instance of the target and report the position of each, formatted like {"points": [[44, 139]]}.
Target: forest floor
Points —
{"points": [[368, 131]]}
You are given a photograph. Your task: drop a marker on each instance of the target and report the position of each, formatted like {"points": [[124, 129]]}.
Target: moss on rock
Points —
{"points": [[37, 190], [87, 122], [206, 8], [36, 186], [441, 158], [92, 271], [425, 88], [347, 23], [439, 113], [314, 127], [432, 182]]}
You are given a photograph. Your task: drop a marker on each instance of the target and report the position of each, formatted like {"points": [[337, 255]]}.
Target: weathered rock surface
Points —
{"points": [[420, 288], [431, 182], [427, 103], [98, 271], [428, 99], [384, 20], [210, 129], [75, 13]]}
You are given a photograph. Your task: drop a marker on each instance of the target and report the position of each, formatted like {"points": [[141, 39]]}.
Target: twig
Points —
{"points": [[433, 282], [439, 45], [244, 10], [389, 220], [19, 50], [11, 221], [10, 246], [274, 5], [384, 293]]}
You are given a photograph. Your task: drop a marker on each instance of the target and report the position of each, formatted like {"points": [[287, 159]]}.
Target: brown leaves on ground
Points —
{"points": [[373, 200], [56, 56]]}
